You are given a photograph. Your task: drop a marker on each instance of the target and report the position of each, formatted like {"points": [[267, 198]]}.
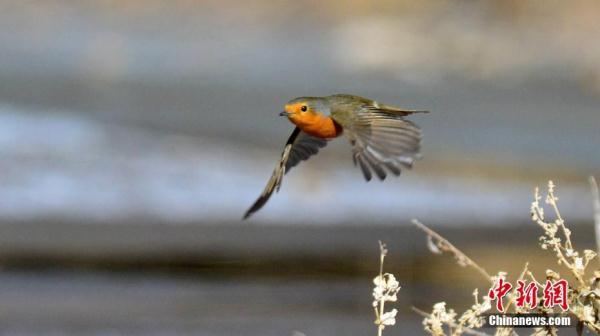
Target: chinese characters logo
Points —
{"points": [[554, 294]]}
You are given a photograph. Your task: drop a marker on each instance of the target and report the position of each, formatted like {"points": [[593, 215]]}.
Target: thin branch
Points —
{"points": [[596, 202], [382, 253], [444, 245], [553, 201], [551, 229], [512, 295]]}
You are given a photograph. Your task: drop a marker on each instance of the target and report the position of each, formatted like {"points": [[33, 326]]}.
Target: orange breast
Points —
{"points": [[318, 125]]}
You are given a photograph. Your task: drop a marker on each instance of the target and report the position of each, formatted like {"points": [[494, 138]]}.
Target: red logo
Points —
{"points": [[499, 292], [555, 294], [527, 295]]}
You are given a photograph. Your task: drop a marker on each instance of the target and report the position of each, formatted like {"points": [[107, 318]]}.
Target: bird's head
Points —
{"points": [[303, 107]]}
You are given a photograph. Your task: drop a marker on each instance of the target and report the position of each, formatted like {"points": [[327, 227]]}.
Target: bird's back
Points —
{"points": [[343, 107]]}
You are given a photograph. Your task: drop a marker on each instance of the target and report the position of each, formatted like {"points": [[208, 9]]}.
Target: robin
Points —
{"points": [[382, 140]]}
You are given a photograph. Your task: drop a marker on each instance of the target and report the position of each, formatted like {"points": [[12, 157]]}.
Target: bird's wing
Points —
{"points": [[299, 146], [374, 106], [382, 140], [302, 148]]}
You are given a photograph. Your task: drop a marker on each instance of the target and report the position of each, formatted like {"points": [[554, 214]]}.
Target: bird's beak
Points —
{"points": [[284, 114]]}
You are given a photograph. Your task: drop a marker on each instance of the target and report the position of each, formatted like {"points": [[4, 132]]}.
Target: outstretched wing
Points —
{"points": [[382, 140], [299, 147]]}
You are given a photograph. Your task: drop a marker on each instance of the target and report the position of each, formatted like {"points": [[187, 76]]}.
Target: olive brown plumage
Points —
{"points": [[382, 140]]}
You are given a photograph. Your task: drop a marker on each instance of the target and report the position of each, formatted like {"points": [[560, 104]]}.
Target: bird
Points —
{"points": [[382, 140]]}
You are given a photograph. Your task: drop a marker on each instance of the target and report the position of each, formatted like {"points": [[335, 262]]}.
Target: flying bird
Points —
{"points": [[382, 140]]}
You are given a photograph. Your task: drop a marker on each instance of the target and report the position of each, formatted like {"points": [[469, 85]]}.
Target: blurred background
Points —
{"points": [[134, 134]]}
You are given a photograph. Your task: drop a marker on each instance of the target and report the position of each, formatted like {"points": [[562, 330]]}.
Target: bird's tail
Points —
{"points": [[395, 110]]}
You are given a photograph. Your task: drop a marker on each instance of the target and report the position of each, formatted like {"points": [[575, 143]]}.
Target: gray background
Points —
{"points": [[133, 136]]}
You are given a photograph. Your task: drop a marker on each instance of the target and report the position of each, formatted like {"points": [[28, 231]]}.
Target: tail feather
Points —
{"points": [[382, 108]]}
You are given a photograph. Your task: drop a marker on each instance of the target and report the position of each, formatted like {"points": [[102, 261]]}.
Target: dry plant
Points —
{"points": [[583, 293], [596, 200], [385, 290]]}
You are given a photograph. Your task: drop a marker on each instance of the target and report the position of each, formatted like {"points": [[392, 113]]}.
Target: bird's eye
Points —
{"points": [[303, 108]]}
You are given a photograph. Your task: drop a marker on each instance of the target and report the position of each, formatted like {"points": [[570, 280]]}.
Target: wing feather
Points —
{"points": [[383, 141], [299, 147], [303, 148]]}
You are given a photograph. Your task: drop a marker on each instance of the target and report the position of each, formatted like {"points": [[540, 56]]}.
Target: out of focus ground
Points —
{"points": [[239, 280]]}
